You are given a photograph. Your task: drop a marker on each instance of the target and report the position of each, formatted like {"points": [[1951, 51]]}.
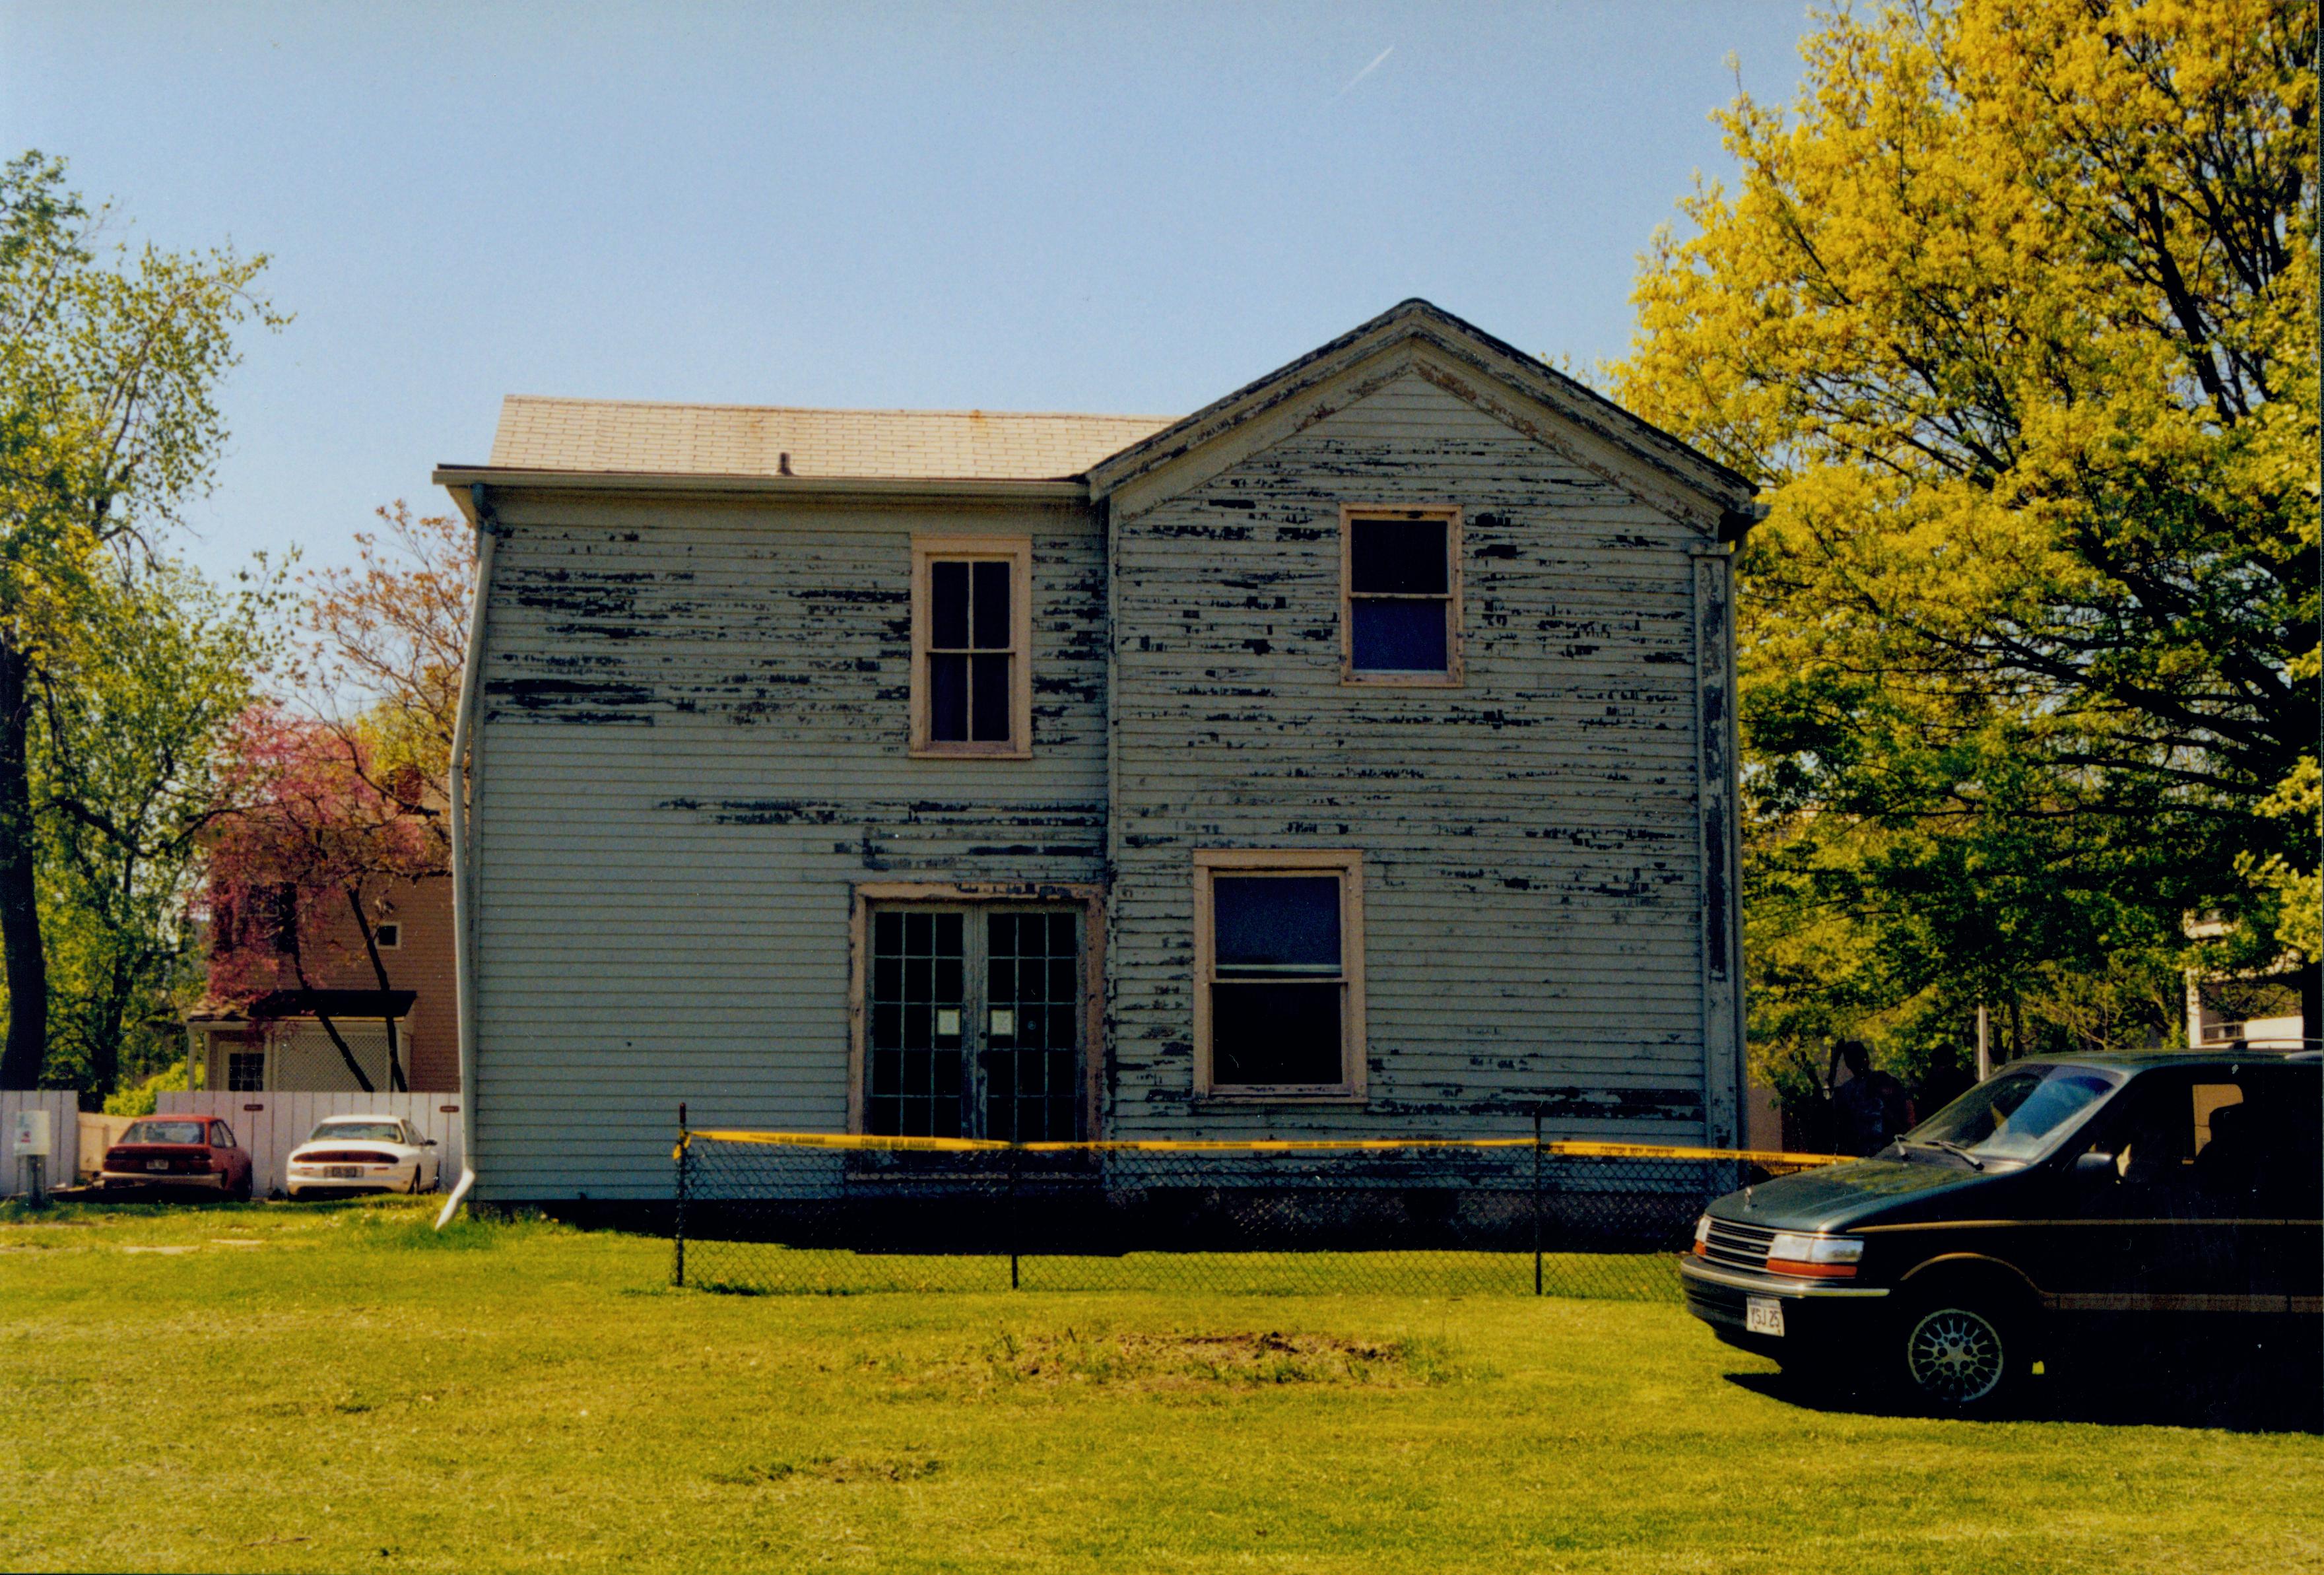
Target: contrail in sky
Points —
{"points": [[1366, 71]]}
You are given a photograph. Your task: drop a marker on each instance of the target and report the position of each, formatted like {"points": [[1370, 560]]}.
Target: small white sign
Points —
{"points": [[1763, 1315], [948, 1022], [32, 1134], [1004, 1023]]}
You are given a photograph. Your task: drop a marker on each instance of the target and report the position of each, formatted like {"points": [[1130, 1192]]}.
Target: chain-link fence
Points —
{"points": [[770, 1212]]}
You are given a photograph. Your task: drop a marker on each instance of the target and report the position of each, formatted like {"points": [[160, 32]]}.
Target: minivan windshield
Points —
{"points": [[2015, 1116]]}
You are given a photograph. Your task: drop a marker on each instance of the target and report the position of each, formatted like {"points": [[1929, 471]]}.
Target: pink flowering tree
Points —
{"points": [[300, 872]]}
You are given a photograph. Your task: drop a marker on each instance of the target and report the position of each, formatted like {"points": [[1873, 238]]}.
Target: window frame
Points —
{"points": [[388, 934], [1455, 617], [1346, 864], [225, 1066], [1018, 552]]}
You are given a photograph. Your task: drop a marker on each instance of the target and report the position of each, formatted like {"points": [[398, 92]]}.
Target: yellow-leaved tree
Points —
{"points": [[2013, 316]]}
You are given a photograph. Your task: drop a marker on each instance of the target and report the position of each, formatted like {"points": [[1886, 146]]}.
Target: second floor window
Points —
{"points": [[1400, 573], [972, 647]]}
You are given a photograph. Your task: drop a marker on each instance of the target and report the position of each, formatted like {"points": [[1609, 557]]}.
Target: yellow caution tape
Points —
{"points": [[1579, 1150]]}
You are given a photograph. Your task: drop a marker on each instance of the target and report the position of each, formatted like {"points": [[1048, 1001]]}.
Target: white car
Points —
{"points": [[363, 1154]]}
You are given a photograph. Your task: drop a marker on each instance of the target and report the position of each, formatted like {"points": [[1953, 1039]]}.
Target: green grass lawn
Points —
{"points": [[336, 1387]]}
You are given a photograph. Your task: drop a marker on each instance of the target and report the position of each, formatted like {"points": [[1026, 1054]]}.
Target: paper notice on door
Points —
{"points": [[948, 1022], [1004, 1023]]}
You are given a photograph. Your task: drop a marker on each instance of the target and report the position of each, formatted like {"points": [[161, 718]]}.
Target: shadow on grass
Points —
{"points": [[2223, 1391]]}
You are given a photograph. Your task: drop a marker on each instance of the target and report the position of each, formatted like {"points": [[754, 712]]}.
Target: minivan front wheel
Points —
{"points": [[1963, 1357]]}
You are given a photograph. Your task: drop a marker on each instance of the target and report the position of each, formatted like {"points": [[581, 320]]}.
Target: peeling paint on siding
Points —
{"points": [[695, 725], [1533, 873]]}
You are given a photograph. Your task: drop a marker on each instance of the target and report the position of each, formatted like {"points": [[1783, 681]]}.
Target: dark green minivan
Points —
{"points": [[2170, 1196]]}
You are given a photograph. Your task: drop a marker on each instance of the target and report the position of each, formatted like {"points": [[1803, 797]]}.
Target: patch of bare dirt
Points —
{"points": [[1236, 1360], [908, 1467]]}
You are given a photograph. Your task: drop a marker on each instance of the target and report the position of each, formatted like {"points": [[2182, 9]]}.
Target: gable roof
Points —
{"points": [[629, 437], [1598, 431]]}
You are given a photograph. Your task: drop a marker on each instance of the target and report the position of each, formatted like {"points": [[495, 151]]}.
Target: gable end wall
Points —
{"points": [[1533, 870]]}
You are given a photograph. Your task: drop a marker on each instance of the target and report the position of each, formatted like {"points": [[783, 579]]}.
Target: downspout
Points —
{"points": [[464, 965]]}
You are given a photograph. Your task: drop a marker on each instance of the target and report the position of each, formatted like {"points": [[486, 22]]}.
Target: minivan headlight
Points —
{"points": [[1822, 1257]]}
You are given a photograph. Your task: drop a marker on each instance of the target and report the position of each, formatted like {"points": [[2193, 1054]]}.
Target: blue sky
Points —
{"points": [[1014, 206]]}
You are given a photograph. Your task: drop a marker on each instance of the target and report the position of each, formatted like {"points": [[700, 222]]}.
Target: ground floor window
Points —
{"points": [[975, 1022], [1279, 961]]}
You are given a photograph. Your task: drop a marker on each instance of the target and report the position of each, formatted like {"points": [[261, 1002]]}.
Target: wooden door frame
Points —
{"points": [[1088, 897]]}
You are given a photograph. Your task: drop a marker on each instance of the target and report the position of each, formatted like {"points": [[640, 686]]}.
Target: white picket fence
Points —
{"points": [[271, 1125], [63, 1105]]}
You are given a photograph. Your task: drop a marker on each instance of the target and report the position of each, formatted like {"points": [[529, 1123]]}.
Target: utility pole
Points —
{"points": [[1984, 1045]]}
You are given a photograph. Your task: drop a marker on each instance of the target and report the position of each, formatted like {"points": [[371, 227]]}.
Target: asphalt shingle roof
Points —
{"points": [[631, 437]]}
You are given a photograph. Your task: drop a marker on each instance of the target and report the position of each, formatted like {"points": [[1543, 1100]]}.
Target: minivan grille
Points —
{"points": [[1743, 1247]]}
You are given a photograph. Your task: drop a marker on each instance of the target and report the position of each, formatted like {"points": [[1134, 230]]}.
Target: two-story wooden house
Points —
{"points": [[1354, 755], [342, 1030]]}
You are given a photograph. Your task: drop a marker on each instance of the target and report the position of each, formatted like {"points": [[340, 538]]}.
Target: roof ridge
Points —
{"points": [[980, 414]]}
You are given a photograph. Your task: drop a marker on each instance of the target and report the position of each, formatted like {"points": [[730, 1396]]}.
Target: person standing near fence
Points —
{"points": [[1871, 1108]]}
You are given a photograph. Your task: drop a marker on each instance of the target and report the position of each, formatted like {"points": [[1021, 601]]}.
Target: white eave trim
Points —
{"points": [[457, 479]]}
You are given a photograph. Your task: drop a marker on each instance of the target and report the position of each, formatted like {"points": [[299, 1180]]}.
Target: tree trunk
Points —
{"points": [[108, 1030], [397, 1081], [20, 910], [355, 1067]]}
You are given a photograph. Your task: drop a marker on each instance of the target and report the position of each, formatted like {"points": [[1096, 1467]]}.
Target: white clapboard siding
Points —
{"points": [[1532, 860], [271, 1125], [63, 1105], [694, 746]]}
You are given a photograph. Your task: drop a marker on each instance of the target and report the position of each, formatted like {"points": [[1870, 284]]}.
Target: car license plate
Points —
{"points": [[157, 1165], [1763, 1315], [354, 1173]]}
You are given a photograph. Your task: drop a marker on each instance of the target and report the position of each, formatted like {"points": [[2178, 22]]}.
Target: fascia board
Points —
{"points": [[458, 478]]}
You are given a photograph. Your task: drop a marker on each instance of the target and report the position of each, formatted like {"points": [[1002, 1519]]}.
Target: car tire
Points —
{"points": [[240, 1191], [1964, 1355]]}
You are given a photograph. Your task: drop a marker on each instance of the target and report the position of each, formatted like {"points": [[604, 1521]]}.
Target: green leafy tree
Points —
{"points": [[137, 701], [2013, 316], [109, 362]]}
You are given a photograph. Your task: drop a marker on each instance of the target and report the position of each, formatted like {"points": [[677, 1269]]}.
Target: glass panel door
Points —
{"points": [[973, 1027], [1031, 1060], [918, 1011]]}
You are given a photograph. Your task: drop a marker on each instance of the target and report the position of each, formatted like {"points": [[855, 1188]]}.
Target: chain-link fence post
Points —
{"points": [[1013, 1151], [677, 1237], [1536, 1200]]}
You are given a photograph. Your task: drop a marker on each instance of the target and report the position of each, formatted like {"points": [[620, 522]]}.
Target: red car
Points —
{"points": [[178, 1151]]}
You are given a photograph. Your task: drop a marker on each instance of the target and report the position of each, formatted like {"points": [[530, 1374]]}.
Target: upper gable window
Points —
{"points": [[1400, 595], [972, 647]]}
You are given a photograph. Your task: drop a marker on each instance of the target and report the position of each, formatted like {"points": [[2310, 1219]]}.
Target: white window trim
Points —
{"points": [[1018, 552], [1348, 865]]}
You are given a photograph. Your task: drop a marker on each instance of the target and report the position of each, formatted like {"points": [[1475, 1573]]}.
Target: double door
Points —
{"points": [[973, 1022]]}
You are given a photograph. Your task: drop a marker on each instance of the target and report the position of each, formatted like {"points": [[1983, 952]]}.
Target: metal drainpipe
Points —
{"points": [[464, 968]]}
